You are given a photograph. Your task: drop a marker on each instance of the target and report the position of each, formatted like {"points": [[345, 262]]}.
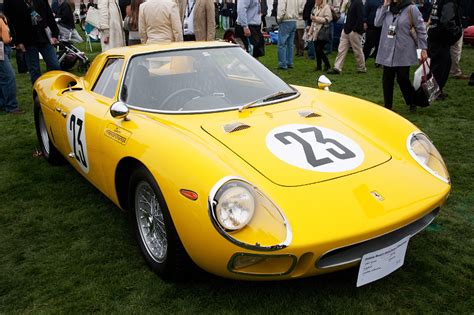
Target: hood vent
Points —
{"points": [[235, 126], [308, 114]]}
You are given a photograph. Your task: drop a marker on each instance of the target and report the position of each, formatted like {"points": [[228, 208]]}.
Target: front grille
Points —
{"points": [[353, 253]]}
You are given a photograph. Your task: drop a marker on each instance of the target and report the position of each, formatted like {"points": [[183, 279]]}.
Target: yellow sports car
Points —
{"points": [[222, 164]]}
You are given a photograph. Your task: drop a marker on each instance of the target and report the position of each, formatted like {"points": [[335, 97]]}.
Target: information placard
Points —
{"points": [[380, 263]]}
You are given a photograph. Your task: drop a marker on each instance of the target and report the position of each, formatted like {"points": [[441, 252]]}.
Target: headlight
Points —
{"points": [[424, 152], [235, 206], [246, 216]]}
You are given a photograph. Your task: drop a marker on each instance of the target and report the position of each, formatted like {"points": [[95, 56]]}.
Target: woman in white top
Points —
{"points": [[321, 16], [159, 21], [111, 26]]}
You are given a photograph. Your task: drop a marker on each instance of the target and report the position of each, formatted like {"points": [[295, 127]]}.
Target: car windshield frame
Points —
{"points": [[205, 111]]}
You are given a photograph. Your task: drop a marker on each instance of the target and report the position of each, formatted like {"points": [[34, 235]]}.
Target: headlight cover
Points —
{"points": [[247, 217], [235, 207], [425, 153]]}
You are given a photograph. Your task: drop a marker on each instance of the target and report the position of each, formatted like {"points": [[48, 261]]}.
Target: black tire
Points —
{"points": [[175, 262], [47, 148]]}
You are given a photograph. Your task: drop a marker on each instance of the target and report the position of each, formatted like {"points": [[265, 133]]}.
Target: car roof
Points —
{"points": [[143, 49]]}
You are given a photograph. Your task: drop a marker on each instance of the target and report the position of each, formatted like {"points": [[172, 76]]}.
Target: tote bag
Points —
{"points": [[93, 17], [428, 90]]}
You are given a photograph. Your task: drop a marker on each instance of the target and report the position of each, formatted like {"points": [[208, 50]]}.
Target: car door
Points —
{"points": [[84, 118]]}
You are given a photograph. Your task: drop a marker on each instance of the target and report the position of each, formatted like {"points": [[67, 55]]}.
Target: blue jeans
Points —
{"points": [[286, 41], [329, 45], [311, 50], [8, 100], [32, 60]]}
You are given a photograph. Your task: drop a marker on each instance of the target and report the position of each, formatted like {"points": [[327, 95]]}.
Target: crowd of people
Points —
{"points": [[394, 30]]}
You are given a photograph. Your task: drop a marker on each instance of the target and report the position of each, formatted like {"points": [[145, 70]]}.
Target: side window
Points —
{"points": [[106, 84]]}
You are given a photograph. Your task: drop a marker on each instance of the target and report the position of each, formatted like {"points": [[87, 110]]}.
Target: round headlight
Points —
{"points": [[425, 153], [235, 207]]}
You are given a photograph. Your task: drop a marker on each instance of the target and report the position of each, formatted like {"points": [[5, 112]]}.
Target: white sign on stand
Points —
{"points": [[378, 264]]}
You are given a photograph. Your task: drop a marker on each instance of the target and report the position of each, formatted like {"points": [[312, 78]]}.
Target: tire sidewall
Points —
{"points": [[165, 268], [37, 113]]}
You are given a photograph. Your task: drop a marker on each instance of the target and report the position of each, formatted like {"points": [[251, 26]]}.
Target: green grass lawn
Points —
{"points": [[64, 248]]}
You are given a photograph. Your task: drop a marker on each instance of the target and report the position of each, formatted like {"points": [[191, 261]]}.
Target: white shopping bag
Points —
{"points": [[419, 74]]}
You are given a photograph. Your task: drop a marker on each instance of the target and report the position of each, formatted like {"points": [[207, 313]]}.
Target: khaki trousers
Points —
{"points": [[456, 51], [354, 40]]}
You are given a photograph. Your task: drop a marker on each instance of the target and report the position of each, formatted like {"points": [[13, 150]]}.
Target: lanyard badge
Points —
{"points": [[392, 31]]}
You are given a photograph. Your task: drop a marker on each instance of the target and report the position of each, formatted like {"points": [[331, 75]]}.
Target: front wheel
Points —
{"points": [[154, 229], [47, 148]]}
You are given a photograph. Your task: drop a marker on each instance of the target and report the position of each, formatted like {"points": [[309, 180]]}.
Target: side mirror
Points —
{"points": [[324, 83], [119, 110]]}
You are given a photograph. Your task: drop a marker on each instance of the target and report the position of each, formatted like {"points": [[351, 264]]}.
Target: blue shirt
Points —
{"points": [[248, 12]]}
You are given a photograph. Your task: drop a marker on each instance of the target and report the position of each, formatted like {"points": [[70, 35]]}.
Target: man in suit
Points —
{"points": [[199, 20]]}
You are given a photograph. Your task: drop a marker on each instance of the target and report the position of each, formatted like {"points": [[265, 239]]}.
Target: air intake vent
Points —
{"points": [[235, 126], [308, 114]]}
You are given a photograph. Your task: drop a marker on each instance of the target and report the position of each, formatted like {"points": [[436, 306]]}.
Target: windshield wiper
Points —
{"points": [[268, 98]]}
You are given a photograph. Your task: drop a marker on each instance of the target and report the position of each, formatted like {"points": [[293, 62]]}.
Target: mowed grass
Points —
{"points": [[64, 248]]}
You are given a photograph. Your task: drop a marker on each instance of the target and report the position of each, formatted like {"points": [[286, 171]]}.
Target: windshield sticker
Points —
{"points": [[314, 148], [76, 134]]}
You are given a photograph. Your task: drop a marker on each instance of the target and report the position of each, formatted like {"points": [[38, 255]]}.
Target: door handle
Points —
{"points": [[64, 114]]}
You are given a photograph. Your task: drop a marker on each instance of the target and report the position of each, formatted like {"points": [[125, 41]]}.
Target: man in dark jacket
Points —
{"points": [[372, 33], [30, 19], [351, 36], [445, 30]]}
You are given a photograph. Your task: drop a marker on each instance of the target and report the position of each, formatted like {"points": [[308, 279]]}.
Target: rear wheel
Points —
{"points": [[154, 229], [47, 148]]}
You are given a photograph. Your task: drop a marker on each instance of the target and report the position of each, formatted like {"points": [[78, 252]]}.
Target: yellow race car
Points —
{"points": [[222, 164]]}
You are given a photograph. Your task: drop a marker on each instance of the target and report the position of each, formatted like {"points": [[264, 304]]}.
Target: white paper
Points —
{"points": [[378, 264]]}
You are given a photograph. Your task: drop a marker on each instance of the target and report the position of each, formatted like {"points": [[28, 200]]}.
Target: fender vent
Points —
{"points": [[235, 126], [308, 114]]}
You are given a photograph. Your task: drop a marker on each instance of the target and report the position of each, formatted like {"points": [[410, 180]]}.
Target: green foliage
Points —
{"points": [[64, 248]]}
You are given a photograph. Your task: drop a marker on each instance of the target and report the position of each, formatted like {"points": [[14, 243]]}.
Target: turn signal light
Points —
{"points": [[189, 194]]}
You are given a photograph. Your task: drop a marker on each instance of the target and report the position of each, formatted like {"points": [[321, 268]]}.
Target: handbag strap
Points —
{"points": [[423, 77], [410, 14]]}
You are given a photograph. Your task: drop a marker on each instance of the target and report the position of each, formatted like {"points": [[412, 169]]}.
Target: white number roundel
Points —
{"points": [[76, 134], [314, 148]]}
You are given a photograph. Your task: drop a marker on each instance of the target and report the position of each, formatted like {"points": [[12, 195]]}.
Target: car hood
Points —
{"points": [[298, 146]]}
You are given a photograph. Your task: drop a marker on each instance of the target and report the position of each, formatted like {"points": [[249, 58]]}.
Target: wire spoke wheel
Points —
{"points": [[150, 222]]}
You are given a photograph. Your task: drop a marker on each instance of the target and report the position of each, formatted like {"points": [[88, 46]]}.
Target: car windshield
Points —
{"points": [[200, 80]]}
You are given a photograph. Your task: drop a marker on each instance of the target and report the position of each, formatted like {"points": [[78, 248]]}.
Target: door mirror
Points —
{"points": [[324, 83], [119, 110]]}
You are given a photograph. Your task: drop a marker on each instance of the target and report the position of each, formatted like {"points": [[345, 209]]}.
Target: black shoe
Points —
{"points": [[318, 68], [442, 96], [388, 106], [412, 108], [327, 67], [333, 71], [17, 111]]}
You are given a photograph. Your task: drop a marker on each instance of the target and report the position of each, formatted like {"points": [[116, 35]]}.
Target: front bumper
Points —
{"points": [[286, 266]]}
